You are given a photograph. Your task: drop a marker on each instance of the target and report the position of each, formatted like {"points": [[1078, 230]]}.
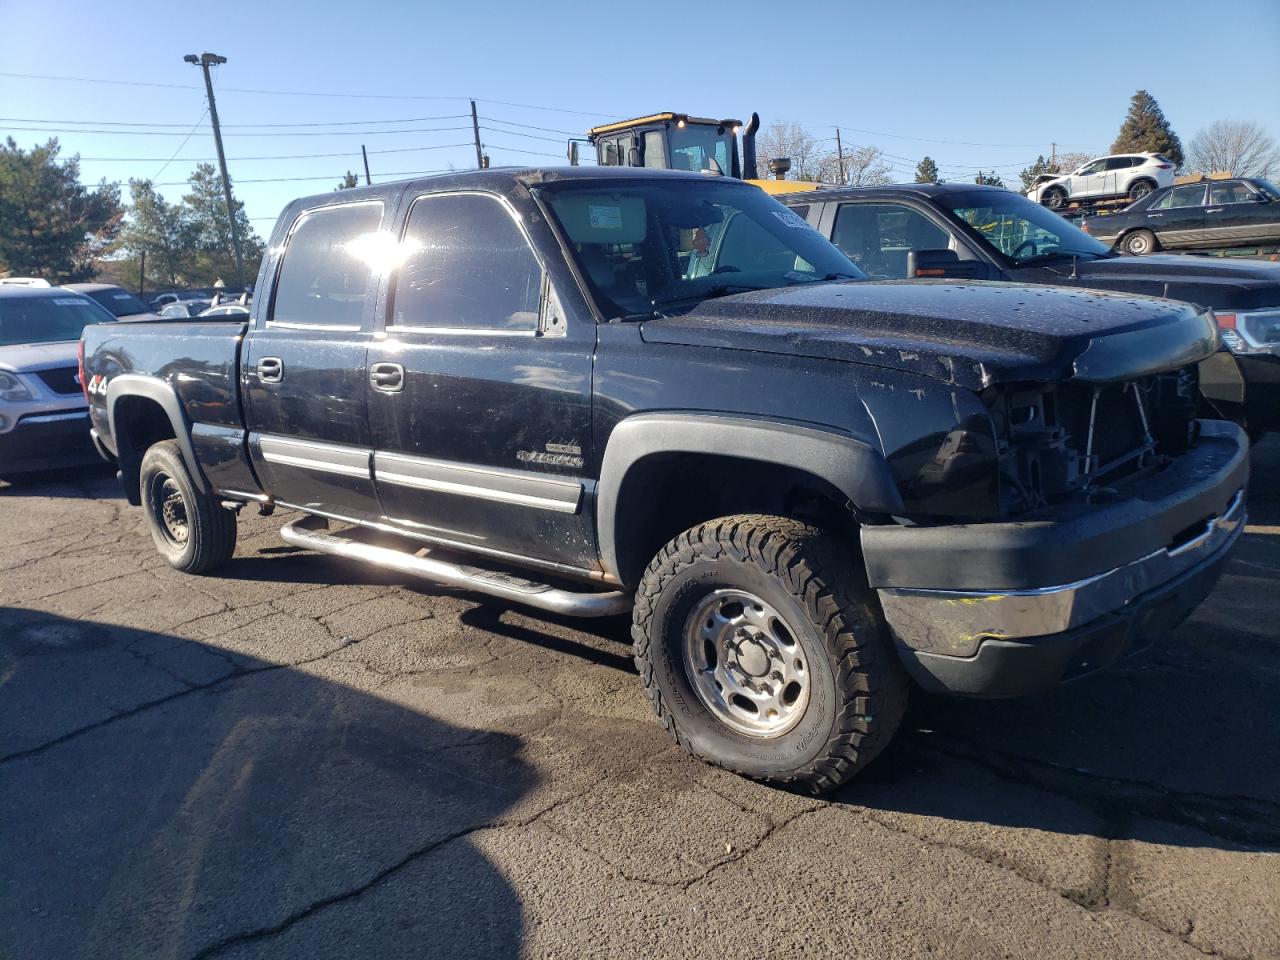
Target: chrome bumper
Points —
{"points": [[956, 622]]}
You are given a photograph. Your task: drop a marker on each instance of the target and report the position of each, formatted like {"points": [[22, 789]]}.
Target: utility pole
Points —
{"points": [[1053, 156], [840, 156], [205, 61], [364, 154], [475, 128], [142, 274]]}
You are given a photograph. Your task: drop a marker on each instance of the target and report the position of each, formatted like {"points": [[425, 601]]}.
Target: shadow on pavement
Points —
{"points": [[175, 801], [96, 480]]}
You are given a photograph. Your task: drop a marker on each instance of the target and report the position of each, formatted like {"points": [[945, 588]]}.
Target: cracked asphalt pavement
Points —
{"points": [[299, 757]]}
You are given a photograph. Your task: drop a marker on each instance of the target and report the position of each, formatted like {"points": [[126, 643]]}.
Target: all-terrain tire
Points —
{"points": [[192, 531], [858, 688]]}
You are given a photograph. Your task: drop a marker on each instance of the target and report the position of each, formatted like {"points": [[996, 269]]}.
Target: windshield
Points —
{"points": [[647, 246], [1269, 188], [120, 302], [1019, 228], [694, 144], [47, 319]]}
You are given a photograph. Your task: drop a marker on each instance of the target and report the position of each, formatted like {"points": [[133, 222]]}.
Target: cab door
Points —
{"points": [[1177, 218], [480, 389], [303, 368], [1235, 215]]}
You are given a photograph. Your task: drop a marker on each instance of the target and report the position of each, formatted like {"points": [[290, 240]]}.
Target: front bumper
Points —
{"points": [[1125, 573], [47, 441]]}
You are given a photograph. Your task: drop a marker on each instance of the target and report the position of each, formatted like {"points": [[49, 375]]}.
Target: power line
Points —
{"points": [[232, 126], [167, 133], [517, 133], [335, 176], [288, 156], [308, 93], [191, 133]]}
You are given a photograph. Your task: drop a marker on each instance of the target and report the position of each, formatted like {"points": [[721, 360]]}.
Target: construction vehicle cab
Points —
{"points": [[669, 141], [677, 141]]}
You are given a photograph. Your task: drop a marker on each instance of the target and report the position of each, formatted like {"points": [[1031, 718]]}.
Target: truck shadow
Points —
{"points": [[96, 481], [161, 798]]}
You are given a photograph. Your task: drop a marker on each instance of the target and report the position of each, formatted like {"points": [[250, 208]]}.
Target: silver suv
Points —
{"points": [[1132, 175], [44, 417]]}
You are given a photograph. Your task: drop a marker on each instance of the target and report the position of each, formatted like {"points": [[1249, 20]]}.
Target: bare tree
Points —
{"points": [[863, 167], [1071, 162], [1241, 148], [788, 139]]}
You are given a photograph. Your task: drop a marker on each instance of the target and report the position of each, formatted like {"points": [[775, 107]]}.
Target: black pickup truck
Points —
{"points": [[958, 230], [666, 393]]}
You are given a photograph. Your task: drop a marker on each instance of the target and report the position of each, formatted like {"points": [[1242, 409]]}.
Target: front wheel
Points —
{"points": [[1055, 198], [191, 530], [761, 653], [1139, 242]]}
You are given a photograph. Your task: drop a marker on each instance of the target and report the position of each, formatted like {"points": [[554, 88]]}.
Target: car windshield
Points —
{"points": [[120, 302], [47, 319], [1019, 228], [651, 246], [1269, 188]]}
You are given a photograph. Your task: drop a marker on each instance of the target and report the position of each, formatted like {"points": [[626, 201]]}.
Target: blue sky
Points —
{"points": [[969, 84]]}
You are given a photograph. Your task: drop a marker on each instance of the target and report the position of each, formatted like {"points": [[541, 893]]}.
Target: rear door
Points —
{"points": [[1177, 218], [303, 369], [480, 390]]}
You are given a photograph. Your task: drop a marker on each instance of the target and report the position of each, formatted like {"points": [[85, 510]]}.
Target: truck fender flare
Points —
{"points": [[854, 467], [153, 388]]}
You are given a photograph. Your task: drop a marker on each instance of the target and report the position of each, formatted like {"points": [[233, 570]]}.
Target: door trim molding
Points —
{"points": [[325, 457], [518, 487]]}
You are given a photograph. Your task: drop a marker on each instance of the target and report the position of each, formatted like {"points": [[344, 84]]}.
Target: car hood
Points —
{"points": [[30, 357], [972, 334], [1207, 281]]}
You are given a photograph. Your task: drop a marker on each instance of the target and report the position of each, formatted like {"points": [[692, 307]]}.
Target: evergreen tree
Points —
{"points": [[164, 232], [1029, 174], [991, 179], [927, 171], [207, 210], [348, 182], [1145, 130], [50, 225]]}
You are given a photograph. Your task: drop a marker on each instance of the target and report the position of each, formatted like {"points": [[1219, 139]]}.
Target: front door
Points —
{"points": [[1235, 215], [303, 368], [1090, 181], [480, 393]]}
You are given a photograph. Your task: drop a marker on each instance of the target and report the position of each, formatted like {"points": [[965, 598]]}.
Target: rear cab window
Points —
{"points": [[324, 277]]}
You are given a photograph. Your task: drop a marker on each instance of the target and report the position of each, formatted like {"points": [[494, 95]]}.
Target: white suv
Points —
{"points": [[1132, 175]]}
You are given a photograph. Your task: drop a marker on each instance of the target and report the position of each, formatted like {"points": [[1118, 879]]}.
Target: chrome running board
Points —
{"points": [[311, 532]]}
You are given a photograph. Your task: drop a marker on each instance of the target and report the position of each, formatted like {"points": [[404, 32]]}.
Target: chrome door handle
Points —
{"points": [[1153, 216], [1213, 210], [387, 377], [271, 369]]}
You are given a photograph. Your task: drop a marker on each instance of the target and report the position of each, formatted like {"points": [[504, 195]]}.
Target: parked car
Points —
{"points": [[122, 304], [44, 417], [1212, 213], [956, 230], [173, 296], [227, 311], [740, 455], [1132, 175], [183, 309]]}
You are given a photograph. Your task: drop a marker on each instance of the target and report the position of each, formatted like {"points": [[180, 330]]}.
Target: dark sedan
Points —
{"points": [[1212, 213], [963, 231]]}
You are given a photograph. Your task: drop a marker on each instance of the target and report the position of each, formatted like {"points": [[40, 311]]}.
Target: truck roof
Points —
{"points": [[892, 189]]}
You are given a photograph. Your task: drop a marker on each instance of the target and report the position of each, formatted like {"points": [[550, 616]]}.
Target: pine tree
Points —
{"points": [[991, 179], [348, 182], [1145, 130], [927, 171], [1029, 174]]}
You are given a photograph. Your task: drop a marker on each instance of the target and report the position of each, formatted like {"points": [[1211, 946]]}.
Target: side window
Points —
{"points": [[1120, 163], [746, 247], [878, 236], [1191, 195], [324, 277], [466, 266], [654, 155], [1096, 167], [1229, 193], [801, 211]]}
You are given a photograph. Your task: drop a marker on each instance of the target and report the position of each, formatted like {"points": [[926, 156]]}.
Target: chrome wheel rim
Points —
{"points": [[745, 664], [170, 509]]}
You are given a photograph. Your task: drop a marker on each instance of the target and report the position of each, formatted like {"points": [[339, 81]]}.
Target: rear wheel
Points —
{"points": [[1055, 198], [1140, 189], [1139, 242], [760, 653], [191, 530]]}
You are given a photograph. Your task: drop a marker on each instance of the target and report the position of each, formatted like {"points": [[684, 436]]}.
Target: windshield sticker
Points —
{"points": [[791, 219], [70, 302], [605, 218], [122, 296]]}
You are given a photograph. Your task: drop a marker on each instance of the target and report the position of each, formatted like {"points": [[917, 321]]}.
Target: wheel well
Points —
{"points": [[139, 423], [666, 494], [1137, 180]]}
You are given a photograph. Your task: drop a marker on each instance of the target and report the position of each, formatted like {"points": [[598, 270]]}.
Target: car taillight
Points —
{"points": [[1226, 321], [84, 381]]}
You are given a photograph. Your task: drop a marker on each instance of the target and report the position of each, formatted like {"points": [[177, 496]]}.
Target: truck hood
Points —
{"points": [[30, 357], [968, 333], [1208, 281]]}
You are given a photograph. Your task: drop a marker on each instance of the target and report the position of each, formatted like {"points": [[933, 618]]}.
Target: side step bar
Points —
{"points": [[312, 533]]}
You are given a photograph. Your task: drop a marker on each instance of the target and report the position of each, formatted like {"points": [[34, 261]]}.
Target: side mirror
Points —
{"points": [[944, 263]]}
